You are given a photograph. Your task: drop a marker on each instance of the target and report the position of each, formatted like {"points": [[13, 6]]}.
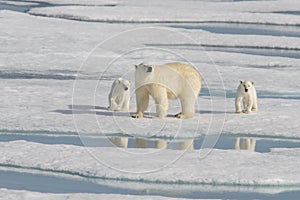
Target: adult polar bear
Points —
{"points": [[167, 81]]}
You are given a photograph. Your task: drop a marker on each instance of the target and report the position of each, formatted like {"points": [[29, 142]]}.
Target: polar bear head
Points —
{"points": [[247, 85], [144, 73], [122, 84]]}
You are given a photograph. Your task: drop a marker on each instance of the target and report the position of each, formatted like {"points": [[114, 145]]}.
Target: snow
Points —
{"points": [[25, 195], [152, 166], [24, 3], [56, 73], [77, 2], [198, 11], [59, 66]]}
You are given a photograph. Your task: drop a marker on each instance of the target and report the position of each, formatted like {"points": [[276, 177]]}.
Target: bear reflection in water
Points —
{"points": [[157, 144], [245, 144], [238, 144], [163, 144]]}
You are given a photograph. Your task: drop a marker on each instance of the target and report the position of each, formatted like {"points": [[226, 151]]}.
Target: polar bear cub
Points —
{"points": [[246, 93], [168, 81], [119, 95]]}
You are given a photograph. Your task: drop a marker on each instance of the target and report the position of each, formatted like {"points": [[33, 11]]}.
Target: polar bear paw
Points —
{"points": [[137, 115], [183, 116], [178, 115], [247, 111]]}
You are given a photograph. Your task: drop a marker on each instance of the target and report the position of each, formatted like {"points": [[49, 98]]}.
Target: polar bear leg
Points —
{"points": [[187, 106], [113, 105], [125, 105], [254, 107], [161, 100], [238, 101], [142, 101], [249, 105], [121, 102], [124, 102], [110, 107]]}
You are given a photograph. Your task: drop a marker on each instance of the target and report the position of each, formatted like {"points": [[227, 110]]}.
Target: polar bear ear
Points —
{"points": [[241, 81], [252, 82]]}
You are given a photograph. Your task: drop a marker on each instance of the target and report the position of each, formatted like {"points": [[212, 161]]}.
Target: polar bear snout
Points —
{"points": [[247, 85], [125, 88], [146, 66], [149, 69]]}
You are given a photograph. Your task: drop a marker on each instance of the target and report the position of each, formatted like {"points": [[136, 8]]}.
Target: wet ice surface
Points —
{"points": [[20, 159], [40, 58], [62, 187], [261, 145], [244, 29]]}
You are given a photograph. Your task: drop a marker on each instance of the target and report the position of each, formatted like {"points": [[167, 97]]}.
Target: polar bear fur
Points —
{"points": [[119, 95], [168, 81], [246, 93]]}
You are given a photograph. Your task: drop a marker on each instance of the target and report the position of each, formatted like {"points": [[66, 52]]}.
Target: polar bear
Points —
{"points": [[246, 93], [168, 81], [119, 95]]}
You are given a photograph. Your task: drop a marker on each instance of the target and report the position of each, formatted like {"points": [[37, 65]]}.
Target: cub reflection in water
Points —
{"points": [[186, 145], [246, 144], [119, 141]]}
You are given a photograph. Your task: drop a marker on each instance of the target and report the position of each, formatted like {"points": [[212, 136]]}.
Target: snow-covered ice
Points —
{"points": [[179, 11], [152, 166], [26, 195]]}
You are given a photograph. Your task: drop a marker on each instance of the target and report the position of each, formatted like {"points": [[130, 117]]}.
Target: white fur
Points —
{"points": [[163, 82], [119, 95], [248, 98]]}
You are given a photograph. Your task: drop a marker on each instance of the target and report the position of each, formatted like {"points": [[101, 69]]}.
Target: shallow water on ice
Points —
{"points": [[54, 183], [224, 142], [245, 29]]}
